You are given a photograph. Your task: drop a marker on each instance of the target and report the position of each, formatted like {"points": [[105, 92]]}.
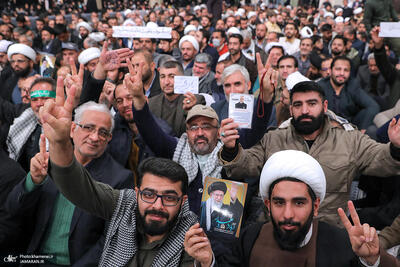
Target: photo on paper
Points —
{"points": [[46, 63], [222, 206], [184, 84], [241, 109]]}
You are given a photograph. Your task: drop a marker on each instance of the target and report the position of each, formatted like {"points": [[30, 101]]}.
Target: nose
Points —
{"points": [[125, 102], [304, 109], [288, 212], [158, 204], [94, 136]]}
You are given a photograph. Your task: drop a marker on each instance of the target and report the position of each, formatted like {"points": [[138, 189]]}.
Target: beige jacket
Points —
{"points": [[342, 154], [390, 235]]}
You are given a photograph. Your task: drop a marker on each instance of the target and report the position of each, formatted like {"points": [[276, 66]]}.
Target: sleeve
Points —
{"points": [[76, 184], [92, 90], [368, 16], [162, 144], [390, 235], [388, 71], [366, 103]]}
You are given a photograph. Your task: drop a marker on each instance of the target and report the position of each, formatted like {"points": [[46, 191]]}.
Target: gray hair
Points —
{"points": [[233, 69], [171, 64], [90, 42], [164, 58], [246, 34], [92, 106], [203, 58], [371, 56]]}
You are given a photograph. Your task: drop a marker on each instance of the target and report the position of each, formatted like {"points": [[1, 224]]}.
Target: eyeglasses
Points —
{"points": [[19, 61], [151, 198], [205, 127], [88, 128]]}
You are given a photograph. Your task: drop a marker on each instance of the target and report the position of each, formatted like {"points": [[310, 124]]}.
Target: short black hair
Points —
{"points": [[326, 27], [296, 63], [340, 58], [291, 179], [341, 37], [206, 34], [238, 36], [165, 168], [307, 86], [222, 32], [48, 80]]}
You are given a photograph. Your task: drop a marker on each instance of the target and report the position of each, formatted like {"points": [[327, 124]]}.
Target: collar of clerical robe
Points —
{"points": [[266, 251]]}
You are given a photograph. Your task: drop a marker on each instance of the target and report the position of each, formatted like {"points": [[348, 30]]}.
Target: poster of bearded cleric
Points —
{"points": [[222, 205]]}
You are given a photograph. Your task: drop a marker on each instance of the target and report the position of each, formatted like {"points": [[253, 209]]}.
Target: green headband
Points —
{"points": [[43, 93]]}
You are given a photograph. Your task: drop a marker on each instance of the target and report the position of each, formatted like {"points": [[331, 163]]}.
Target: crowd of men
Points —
{"points": [[104, 163]]}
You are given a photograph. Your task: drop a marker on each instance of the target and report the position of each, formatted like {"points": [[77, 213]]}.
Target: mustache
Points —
{"points": [[157, 212], [201, 138], [305, 116], [289, 222]]}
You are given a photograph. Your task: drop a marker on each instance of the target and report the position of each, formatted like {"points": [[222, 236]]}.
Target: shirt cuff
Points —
{"points": [[376, 264], [30, 185]]}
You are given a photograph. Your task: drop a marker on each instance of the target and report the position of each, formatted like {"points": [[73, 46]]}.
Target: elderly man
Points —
{"points": [[293, 186], [310, 131], [69, 51], [50, 44], [80, 238], [302, 56], [189, 48], [156, 214], [210, 209], [202, 69], [249, 48], [22, 59]]}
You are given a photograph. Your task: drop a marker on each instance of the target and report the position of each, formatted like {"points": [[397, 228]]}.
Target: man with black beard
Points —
{"points": [[293, 186], [22, 59], [342, 154]]}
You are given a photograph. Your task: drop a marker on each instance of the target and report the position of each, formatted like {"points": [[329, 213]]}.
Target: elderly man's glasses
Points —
{"points": [[151, 198], [205, 127], [89, 128]]}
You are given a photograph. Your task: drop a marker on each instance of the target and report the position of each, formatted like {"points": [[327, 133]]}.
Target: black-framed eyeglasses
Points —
{"points": [[89, 128], [151, 198], [205, 127]]}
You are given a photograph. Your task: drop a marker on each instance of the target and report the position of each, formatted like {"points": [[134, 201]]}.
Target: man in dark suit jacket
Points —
{"points": [[241, 104], [71, 235]]}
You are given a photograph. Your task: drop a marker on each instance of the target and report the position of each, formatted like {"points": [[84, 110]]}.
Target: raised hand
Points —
{"points": [[228, 132], [268, 78], [378, 41], [56, 119], [114, 59], [39, 163], [394, 132], [189, 101], [364, 239], [76, 80], [198, 246], [133, 82]]}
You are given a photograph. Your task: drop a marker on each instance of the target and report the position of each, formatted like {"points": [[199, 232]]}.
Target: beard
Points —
{"points": [[23, 73], [233, 51], [336, 52], [308, 127], [260, 37], [205, 149], [154, 228], [336, 82], [45, 42], [313, 76], [291, 240], [146, 76]]}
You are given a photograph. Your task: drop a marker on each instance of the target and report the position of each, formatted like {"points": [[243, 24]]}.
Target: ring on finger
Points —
{"points": [[223, 134], [187, 101]]}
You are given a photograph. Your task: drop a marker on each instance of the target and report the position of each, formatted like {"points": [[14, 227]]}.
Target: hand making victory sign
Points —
{"points": [[133, 82], [56, 119], [39, 163]]}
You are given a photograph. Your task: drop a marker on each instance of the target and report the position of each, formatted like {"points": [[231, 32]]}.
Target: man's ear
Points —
{"points": [[325, 103], [267, 204], [317, 202], [73, 127], [184, 198]]}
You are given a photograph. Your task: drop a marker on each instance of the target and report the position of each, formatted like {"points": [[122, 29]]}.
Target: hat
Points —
{"points": [[190, 39], [306, 32], [294, 78], [126, 12], [339, 20], [273, 44], [251, 14], [70, 46], [293, 164], [338, 10], [357, 11], [85, 25], [189, 28], [4, 44], [21, 49], [201, 110], [315, 60], [233, 30], [129, 22], [217, 186], [88, 54], [97, 36], [48, 29], [329, 14], [203, 6], [151, 24], [347, 19], [196, 8]]}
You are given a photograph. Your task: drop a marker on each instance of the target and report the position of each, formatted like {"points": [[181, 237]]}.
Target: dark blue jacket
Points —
{"points": [[86, 238]]}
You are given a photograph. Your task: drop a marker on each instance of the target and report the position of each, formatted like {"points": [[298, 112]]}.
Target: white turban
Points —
{"points": [[338, 11], [339, 20], [233, 30], [85, 25], [274, 44], [97, 36], [357, 11], [4, 44], [251, 14], [191, 39], [88, 54], [21, 49], [294, 78], [189, 28], [306, 32], [294, 164], [329, 14], [152, 25]]}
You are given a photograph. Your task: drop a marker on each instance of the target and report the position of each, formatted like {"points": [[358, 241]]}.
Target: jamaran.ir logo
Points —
{"points": [[10, 258]]}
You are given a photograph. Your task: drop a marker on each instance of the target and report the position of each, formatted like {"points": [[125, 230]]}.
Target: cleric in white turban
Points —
{"points": [[89, 57], [23, 50]]}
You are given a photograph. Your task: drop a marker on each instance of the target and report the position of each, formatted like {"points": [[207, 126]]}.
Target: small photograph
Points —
{"points": [[241, 109], [222, 205], [241, 104]]}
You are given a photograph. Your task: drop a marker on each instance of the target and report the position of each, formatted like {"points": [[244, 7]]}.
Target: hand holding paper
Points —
{"points": [[378, 41], [189, 101], [229, 132]]}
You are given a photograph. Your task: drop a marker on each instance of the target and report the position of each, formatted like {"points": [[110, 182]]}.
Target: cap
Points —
{"points": [[70, 46], [201, 110]]}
